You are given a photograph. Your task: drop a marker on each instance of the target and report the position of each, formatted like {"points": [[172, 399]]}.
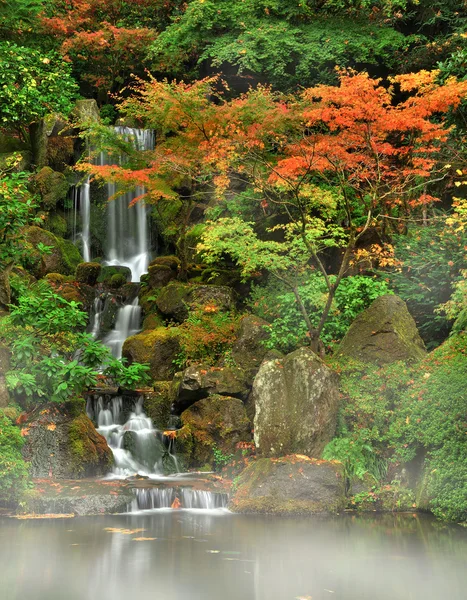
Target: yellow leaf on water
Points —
{"points": [[143, 539], [124, 531]]}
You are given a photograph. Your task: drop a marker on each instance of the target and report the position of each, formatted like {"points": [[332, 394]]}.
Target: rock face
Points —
{"points": [[157, 404], [216, 422], [86, 111], [157, 347], [199, 381], [383, 333], [62, 443], [296, 401], [249, 351], [52, 186], [88, 273], [176, 299], [290, 485]]}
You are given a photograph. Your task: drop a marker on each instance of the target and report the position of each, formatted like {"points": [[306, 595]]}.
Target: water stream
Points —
{"points": [[128, 323]]}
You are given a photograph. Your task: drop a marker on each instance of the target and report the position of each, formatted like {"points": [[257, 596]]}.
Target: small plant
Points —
{"points": [[221, 459]]}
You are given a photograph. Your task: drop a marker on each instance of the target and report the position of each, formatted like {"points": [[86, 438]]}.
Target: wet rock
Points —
{"points": [[88, 273], [383, 333], [107, 272], [157, 347], [63, 258], [217, 422], [172, 262], [61, 442], [249, 351], [296, 402], [160, 275], [157, 404], [290, 485], [177, 299], [199, 381]]}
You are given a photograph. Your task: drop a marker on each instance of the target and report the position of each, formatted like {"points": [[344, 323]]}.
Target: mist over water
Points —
{"points": [[216, 555]]}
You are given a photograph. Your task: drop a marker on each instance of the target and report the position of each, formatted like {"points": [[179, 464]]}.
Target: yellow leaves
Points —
{"points": [[143, 539], [123, 531], [51, 427]]}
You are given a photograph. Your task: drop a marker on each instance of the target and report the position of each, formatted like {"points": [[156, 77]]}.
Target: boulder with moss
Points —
{"points": [[160, 275], [296, 403], [86, 112], [383, 334], [249, 349], [200, 381], [62, 255], [177, 299], [157, 404], [215, 424], [56, 224], [88, 272], [157, 347], [61, 442], [290, 485], [108, 271], [52, 187]]}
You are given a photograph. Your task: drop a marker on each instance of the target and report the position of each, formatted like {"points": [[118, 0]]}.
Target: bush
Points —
{"points": [[13, 469], [276, 304]]}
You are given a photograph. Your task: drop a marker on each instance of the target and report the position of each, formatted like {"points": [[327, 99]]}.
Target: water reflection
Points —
{"points": [[212, 556]]}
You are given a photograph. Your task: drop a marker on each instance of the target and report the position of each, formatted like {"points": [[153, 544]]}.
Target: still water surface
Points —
{"points": [[220, 556]]}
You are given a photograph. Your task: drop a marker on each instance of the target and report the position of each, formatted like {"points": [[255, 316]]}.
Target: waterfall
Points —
{"points": [[128, 240], [95, 317], [138, 447], [128, 323], [82, 205], [164, 497]]}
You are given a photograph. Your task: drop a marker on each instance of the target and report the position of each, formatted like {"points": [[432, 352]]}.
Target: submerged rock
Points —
{"points": [[383, 333], [290, 485], [61, 442], [177, 299], [296, 402], [215, 423], [157, 347], [200, 381]]}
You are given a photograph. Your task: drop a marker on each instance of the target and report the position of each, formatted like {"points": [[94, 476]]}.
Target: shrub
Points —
{"points": [[13, 469]]}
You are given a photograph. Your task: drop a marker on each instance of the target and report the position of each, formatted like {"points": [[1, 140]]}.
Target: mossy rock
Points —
{"points": [[165, 215], [157, 404], [160, 275], [56, 224], [177, 299], [158, 348], [88, 272], [389, 498], [290, 485], [220, 277], [383, 334], [52, 187], [86, 112], [172, 262], [108, 271], [217, 422], [63, 258], [152, 321], [21, 159], [63, 443], [117, 281]]}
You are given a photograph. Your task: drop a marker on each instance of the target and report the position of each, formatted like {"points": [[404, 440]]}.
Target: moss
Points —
{"points": [[71, 256], [152, 321], [157, 404], [56, 224], [51, 185], [389, 498], [117, 280], [107, 273], [88, 273], [88, 449], [165, 215], [63, 256], [157, 347], [193, 238], [167, 261]]}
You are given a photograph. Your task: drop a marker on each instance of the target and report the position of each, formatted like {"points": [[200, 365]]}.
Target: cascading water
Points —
{"points": [[128, 323], [165, 497], [82, 205], [138, 447], [128, 240]]}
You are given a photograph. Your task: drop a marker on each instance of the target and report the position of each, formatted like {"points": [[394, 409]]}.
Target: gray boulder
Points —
{"points": [[296, 401], [177, 299], [291, 485], [249, 351], [383, 334]]}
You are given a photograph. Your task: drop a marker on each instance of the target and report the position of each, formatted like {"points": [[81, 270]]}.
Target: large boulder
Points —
{"points": [[52, 187], [63, 256], [88, 273], [177, 299], [290, 485], [157, 404], [383, 334], [296, 402], [86, 112], [199, 381], [217, 423], [249, 350], [157, 347], [61, 442]]}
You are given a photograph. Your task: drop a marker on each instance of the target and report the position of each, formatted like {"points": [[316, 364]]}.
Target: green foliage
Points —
{"points": [[17, 209], [432, 260], [128, 377], [205, 336], [221, 459], [288, 43], [32, 84], [288, 330], [357, 456], [13, 469]]}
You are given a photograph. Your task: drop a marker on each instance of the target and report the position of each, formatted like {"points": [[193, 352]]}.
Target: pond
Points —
{"points": [[212, 555]]}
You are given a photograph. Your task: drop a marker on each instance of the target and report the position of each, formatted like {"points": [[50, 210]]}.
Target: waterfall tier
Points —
{"points": [[182, 497], [138, 447]]}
